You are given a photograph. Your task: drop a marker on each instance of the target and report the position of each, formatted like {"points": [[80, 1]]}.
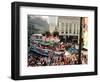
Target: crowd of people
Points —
{"points": [[69, 57], [72, 59]]}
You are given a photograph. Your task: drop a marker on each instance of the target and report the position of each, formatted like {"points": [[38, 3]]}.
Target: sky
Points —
{"points": [[49, 19]]}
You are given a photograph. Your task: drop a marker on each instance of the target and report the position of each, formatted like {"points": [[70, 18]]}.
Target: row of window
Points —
{"points": [[69, 28]]}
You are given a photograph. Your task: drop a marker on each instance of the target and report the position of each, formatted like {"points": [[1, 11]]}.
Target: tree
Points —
{"points": [[56, 34], [47, 33]]}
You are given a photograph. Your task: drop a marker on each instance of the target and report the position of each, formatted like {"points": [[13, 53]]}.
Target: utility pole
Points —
{"points": [[80, 42]]}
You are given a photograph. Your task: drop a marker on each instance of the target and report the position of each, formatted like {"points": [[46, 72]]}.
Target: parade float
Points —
{"points": [[45, 47]]}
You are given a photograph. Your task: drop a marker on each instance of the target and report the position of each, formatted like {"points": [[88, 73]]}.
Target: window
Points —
{"points": [[62, 30], [62, 24], [66, 28], [70, 25], [76, 29]]}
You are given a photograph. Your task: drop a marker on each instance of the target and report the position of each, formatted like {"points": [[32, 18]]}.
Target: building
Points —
{"points": [[52, 23], [69, 28]]}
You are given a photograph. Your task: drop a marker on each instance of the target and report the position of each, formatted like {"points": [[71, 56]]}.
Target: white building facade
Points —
{"points": [[69, 27]]}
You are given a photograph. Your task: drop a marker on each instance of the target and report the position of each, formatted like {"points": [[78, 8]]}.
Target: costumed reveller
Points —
{"points": [[85, 33]]}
